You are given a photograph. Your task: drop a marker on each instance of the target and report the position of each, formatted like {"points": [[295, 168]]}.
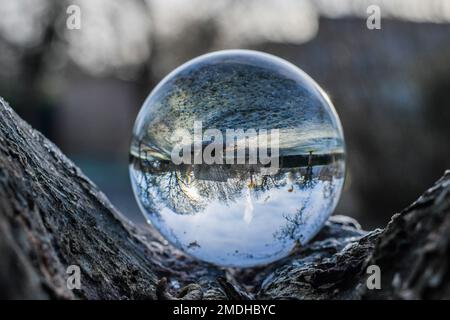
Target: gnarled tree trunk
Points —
{"points": [[52, 216]]}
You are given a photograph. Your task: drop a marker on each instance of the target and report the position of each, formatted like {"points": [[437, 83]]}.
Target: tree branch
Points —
{"points": [[52, 216]]}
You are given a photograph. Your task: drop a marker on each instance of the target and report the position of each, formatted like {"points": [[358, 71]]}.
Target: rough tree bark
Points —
{"points": [[52, 216]]}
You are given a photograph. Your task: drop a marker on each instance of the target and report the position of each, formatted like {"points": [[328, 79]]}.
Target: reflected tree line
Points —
{"points": [[188, 189]]}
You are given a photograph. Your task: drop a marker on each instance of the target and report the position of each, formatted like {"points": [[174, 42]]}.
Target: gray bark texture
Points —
{"points": [[52, 216]]}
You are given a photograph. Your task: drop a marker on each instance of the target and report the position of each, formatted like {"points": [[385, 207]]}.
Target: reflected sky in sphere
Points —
{"points": [[237, 214]]}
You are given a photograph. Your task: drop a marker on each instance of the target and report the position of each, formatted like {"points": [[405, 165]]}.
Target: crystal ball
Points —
{"points": [[237, 157]]}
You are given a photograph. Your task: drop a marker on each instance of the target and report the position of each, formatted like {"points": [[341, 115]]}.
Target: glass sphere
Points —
{"points": [[237, 156]]}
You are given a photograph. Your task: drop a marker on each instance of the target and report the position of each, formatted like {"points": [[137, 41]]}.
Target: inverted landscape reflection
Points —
{"points": [[234, 214]]}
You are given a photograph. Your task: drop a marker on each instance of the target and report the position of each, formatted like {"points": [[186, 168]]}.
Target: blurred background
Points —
{"points": [[391, 87]]}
